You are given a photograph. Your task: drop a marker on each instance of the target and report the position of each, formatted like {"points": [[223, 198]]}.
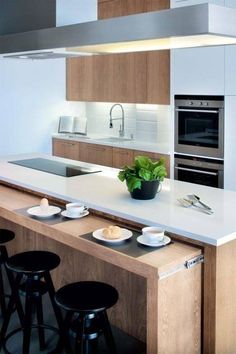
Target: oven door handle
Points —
{"points": [[198, 171], [196, 110]]}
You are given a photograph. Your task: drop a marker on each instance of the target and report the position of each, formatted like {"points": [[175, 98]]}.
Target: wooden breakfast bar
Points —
{"points": [[159, 297], [168, 299]]}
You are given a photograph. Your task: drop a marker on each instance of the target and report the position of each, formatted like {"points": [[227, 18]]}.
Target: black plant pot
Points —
{"points": [[148, 190]]}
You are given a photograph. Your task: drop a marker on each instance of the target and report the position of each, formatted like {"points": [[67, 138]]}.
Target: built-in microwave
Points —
{"points": [[199, 125], [199, 170]]}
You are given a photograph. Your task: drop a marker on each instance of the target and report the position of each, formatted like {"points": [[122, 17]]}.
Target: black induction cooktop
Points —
{"points": [[55, 167]]}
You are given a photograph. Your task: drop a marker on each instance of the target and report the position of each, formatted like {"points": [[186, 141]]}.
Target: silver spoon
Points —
{"points": [[195, 198]]}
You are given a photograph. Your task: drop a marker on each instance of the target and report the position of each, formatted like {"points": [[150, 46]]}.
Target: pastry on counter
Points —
{"points": [[112, 232]]}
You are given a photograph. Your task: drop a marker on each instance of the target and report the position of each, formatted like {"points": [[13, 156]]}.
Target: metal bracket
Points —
{"points": [[187, 265], [194, 261]]}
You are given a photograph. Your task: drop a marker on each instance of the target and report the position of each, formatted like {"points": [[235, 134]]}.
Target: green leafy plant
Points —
{"points": [[143, 169]]}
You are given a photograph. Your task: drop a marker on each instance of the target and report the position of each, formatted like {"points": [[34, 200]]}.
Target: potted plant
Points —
{"points": [[144, 177]]}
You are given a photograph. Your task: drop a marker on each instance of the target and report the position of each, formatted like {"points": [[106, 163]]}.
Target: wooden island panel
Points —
{"points": [[148, 304]]}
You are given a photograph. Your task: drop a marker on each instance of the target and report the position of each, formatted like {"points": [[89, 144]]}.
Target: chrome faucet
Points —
{"points": [[122, 118]]}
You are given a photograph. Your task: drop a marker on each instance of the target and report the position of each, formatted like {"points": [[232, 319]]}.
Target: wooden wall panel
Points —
{"points": [[182, 293]]}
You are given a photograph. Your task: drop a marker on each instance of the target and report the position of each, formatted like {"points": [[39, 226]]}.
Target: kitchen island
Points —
{"points": [[212, 235]]}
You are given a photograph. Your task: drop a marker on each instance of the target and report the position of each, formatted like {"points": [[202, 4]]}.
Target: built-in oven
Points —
{"points": [[209, 172], [199, 125]]}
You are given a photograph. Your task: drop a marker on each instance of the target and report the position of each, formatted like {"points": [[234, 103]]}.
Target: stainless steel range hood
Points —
{"points": [[190, 26]]}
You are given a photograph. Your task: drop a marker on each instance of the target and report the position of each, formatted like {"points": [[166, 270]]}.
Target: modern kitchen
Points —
{"points": [[99, 99]]}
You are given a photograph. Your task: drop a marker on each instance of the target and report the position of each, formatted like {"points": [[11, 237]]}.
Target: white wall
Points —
{"points": [[32, 97], [32, 93], [74, 11]]}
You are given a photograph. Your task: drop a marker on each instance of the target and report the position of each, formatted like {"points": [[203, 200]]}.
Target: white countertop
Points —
{"points": [[103, 191], [161, 148]]}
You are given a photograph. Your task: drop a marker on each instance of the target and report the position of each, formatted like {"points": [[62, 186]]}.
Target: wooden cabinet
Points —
{"points": [[116, 8], [130, 77], [122, 157], [98, 154], [65, 148], [102, 154]]}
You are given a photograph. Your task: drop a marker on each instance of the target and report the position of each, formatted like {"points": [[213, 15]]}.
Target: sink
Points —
{"points": [[114, 139]]}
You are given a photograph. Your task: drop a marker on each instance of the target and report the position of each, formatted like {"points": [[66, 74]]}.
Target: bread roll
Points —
{"points": [[112, 232]]}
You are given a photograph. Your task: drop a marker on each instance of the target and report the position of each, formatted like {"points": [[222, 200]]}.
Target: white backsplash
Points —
{"points": [[150, 123]]}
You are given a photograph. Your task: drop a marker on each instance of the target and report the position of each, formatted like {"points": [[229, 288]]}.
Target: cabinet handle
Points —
{"points": [[197, 171], [122, 153], [97, 148], [196, 110]]}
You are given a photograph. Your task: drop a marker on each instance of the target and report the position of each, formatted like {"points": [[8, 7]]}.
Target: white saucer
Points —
{"points": [[126, 234], [67, 215], [44, 213], [142, 240]]}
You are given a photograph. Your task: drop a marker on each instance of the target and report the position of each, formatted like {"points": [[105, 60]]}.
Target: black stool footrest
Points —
{"points": [[33, 268], [12, 333]]}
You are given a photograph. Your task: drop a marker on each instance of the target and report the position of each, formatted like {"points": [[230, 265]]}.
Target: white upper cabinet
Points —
{"points": [[75, 11], [230, 60], [197, 71], [178, 3]]}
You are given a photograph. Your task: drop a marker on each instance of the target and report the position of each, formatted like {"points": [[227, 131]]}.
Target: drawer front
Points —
{"points": [[98, 154], [67, 149], [122, 157]]}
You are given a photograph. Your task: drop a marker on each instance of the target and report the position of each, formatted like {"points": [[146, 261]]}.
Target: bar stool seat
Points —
{"points": [[5, 236], [33, 262], [33, 268], [88, 300]]}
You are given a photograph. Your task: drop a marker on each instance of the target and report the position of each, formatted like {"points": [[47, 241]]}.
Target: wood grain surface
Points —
{"points": [[138, 311]]}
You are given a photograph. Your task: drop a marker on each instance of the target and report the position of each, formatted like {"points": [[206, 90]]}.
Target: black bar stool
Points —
{"points": [[86, 303], [5, 236], [34, 269]]}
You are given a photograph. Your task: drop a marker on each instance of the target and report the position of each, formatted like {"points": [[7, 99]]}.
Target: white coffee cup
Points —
{"points": [[75, 209], [153, 234]]}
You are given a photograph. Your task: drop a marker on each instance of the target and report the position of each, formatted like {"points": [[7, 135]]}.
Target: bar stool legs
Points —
{"points": [[39, 314], [2, 295], [14, 299], [33, 279], [107, 332], [5, 236]]}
